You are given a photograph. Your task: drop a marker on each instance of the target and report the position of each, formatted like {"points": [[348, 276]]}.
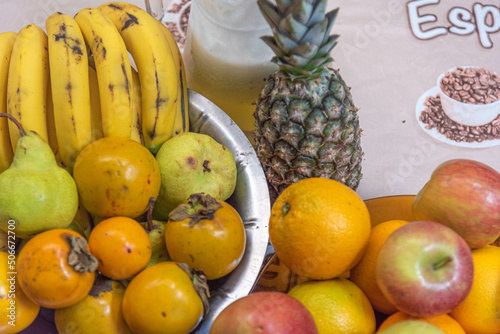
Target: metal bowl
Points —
{"points": [[250, 199]]}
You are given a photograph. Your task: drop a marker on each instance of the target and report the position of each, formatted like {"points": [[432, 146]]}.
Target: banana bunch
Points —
{"points": [[108, 71], [157, 68], [27, 82]]}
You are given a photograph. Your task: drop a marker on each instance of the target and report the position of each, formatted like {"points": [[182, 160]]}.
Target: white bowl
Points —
{"points": [[467, 113]]}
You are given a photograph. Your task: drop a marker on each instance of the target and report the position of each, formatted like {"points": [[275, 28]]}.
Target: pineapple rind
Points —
{"points": [[308, 128], [306, 124]]}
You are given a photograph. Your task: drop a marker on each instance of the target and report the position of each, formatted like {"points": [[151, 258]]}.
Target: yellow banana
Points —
{"points": [[181, 123], [51, 126], [137, 114], [27, 82], [156, 67], [51, 129], [51, 122], [6, 43], [69, 79], [95, 104], [113, 71]]}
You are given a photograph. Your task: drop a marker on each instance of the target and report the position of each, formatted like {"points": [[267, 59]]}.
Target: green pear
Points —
{"points": [[35, 193], [193, 163], [84, 219], [156, 234], [75, 226], [411, 327]]}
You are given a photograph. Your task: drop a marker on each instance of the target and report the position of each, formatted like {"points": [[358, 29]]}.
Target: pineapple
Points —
{"points": [[306, 124]]}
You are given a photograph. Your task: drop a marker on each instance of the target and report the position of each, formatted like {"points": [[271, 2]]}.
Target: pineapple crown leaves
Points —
{"points": [[301, 39]]}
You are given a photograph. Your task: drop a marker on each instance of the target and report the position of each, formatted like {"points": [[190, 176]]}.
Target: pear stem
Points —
{"points": [[16, 122], [149, 216]]}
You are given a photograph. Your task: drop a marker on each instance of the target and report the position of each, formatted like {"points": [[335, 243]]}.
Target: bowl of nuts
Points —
{"points": [[470, 95]]}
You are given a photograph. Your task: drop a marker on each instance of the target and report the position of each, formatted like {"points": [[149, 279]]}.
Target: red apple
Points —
{"points": [[265, 313], [464, 195], [425, 269]]}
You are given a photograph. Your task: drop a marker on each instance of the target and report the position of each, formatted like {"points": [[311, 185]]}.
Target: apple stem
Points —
{"points": [[16, 122], [442, 263], [149, 216]]}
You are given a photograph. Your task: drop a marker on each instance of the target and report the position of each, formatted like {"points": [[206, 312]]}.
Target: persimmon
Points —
{"points": [[121, 246], [116, 177], [168, 298], [99, 312], [207, 234], [55, 268]]}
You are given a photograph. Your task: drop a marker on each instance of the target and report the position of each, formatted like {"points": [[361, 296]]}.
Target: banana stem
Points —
{"points": [[16, 122]]}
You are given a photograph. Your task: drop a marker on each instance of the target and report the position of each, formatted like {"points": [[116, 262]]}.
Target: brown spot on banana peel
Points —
{"points": [[69, 89], [131, 21], [114, 6], [111, 88], [127, 81], [99, 47], [139, 129], [159, 101], [75, 45]]}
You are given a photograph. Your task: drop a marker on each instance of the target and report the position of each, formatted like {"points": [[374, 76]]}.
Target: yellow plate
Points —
{"points": [[276, 277]]}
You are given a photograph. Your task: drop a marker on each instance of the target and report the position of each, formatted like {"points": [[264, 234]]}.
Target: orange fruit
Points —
{"points": [[363, 274], [121, 246], [163, 298], [319, 228], [55, 268], [116, 177], [337, 306], [443, 321], [207, 234], [479, 313]]}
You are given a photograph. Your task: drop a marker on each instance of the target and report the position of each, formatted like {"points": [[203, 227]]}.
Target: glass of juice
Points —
{"points": [[225, 58]]}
